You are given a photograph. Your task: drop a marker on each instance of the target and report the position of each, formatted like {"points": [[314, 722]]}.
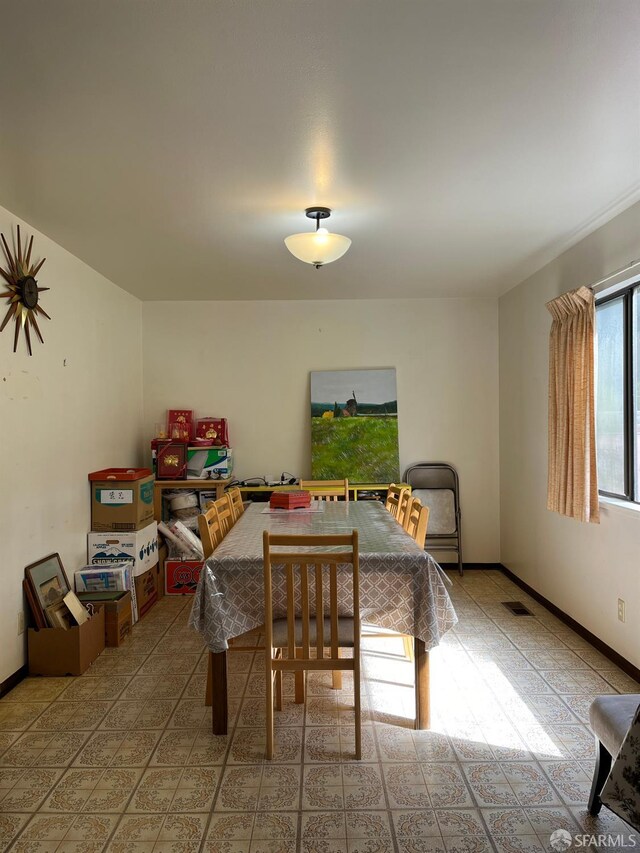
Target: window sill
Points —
{"points": [[615, 504]]}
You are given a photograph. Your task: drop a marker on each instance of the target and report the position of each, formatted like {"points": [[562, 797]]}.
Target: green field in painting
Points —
{"points": [[364, 450]]}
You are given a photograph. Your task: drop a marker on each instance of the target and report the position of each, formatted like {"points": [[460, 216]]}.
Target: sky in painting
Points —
{"points": [[370, 386]]}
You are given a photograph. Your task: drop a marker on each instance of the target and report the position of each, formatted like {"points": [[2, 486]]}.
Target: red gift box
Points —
{"points": [[182, 576], [214, 429], [171, 459], [180, 424], [290, 500]]}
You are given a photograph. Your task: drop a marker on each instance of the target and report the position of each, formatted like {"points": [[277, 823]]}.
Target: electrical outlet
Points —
{"points": [[20, 622], [621, 607]]}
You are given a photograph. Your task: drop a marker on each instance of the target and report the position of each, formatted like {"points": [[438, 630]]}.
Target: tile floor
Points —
{"points": [[122, 759]]}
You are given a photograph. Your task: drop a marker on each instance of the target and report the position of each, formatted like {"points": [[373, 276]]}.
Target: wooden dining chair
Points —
{"points": [[394, 496], [225, 513], [311, 631], [403, 507], [416, 520], [210, 530], [237, 504], [326, 490]]}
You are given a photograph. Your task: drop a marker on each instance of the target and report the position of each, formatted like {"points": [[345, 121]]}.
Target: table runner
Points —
{"points": [[402, 588]]}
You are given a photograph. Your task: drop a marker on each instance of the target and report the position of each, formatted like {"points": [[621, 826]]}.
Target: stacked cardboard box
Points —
{"points": [[124, 533]]}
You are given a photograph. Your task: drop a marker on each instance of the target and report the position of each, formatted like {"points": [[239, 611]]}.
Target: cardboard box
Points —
{"points": [[182, 576], [54, 651], [138, 548], [205, 497], [108, 579], [209, 463], [160, 571], [146, 591], [117, 614], [120, 502]]}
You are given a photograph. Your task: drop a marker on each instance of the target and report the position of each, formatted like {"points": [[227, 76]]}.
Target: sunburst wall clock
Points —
{"points": [[23, 292]]}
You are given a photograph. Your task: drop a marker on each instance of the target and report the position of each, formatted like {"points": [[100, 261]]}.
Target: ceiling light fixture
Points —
{"points": [[317, 247]]}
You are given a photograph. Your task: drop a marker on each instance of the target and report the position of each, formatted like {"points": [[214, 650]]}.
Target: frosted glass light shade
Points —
{"points": [[317, 247]]}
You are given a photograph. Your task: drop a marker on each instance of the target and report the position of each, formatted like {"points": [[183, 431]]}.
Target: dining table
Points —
{"points": [[402, 588]]}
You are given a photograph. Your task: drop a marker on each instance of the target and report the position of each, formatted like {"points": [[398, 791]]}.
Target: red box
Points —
{"points": [[214, 429], [182, 576], [180, 424], [171, 459], [290, 500]]}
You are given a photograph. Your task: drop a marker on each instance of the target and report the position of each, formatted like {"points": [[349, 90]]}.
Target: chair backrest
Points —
{"points": [[416, 520], [403, 507], [312, 596], [326, 490], [437, 486], [225, 513], [210, 531], [394, 494], [237, 504]]}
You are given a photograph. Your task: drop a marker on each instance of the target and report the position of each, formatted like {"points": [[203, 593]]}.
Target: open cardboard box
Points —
{"points": [[146, 586], [54, 651]]}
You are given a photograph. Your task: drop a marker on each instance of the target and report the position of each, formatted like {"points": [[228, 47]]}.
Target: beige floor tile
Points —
{"points": [[47, 827], [94, 827], [64, 716], [82, 689], [17, 716], [24, 846], [466, 844], [319, 825], [325, 845], [140, 714], [421, 845], [176, 663], [37, 689]]}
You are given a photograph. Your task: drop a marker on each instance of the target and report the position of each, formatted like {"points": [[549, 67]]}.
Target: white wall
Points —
{"points": [[59, 422], [250, 362], [582, 568]]}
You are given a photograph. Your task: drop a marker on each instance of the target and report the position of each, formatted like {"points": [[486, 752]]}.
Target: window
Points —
{"points": [[618, 394]]}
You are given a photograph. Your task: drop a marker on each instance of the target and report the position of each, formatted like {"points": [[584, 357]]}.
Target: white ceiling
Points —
{"points": [[173, 144]]}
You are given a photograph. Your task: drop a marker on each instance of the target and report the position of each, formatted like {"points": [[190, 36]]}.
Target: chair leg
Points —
{"points": [[279, 690], [208, 695], [299, 683], [600, 773], [357, 708], [336, 677], [269, 706]]}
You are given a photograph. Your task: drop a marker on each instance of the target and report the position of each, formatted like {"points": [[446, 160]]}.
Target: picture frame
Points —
{"points": [[37, 612], [59, 615], [76, 608], [48, 583]]}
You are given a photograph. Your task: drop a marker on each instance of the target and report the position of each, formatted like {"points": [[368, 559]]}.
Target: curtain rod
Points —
{"points": [[607, 278]]}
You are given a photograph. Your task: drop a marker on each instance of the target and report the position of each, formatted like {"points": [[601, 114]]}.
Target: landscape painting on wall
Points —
{"points": [[354, 426]]}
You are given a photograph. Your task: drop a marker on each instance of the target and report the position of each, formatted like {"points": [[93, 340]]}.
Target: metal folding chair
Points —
{"points": [[437, 486]]}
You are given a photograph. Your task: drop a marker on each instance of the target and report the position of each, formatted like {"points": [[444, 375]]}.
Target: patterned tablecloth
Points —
{"points": [[401, 586]]}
